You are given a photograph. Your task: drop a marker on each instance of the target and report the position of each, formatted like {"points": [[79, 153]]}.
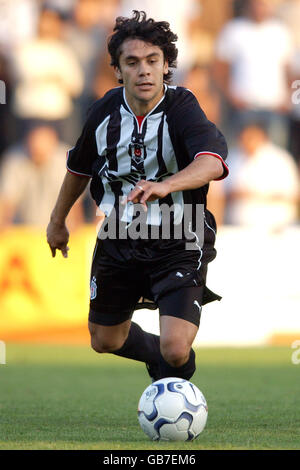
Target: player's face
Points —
{"points": [[142, 68]]}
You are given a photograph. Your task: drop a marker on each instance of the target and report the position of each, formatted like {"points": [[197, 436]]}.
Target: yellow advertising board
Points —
{"points": [[45, 299], [39, 295]]}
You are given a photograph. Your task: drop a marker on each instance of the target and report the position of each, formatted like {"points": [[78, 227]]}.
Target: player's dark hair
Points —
{"points": [[146, 29]]}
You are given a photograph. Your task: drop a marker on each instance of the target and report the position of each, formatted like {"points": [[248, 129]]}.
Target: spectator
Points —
{"points": [[263, 190], [65, 6], [17, 23], [6, 121], [212, 14], [199, 81], [294, 124], [252, 57], [205, 20], [48, 77], [289, 12], [87, 36], [31, 176]]}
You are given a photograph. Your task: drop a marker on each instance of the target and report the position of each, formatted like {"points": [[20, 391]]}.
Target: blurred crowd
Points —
{"points": [[241, 58]]}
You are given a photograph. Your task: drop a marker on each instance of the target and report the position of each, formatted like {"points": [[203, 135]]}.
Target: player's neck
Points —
{"points": [[142, 108]]}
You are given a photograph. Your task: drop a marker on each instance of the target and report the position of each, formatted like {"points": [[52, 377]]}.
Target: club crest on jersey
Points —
{"points": [[137, 152], [93, 288]]}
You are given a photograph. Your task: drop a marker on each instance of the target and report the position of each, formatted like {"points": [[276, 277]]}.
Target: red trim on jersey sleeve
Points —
{"points": [[216, 155], [78, 174], [84, 175]]}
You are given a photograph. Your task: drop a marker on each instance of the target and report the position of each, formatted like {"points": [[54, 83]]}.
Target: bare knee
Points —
{"points": [[175, 353], [104, 340], [102, 345]]}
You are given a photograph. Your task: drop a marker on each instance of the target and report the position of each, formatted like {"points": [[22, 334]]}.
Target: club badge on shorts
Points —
{"points": [[93, 288]]}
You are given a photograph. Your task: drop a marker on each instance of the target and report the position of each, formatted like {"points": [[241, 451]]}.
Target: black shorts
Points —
{"points": [[127, 275]]}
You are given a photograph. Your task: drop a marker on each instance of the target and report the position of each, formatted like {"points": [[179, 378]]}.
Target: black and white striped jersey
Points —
{"points": [[117, 149]]}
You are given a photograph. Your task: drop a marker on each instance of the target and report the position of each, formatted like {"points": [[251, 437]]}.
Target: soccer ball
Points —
{"points": [[172, 409]]}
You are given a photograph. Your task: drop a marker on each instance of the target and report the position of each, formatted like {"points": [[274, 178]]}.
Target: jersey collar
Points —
{"points": [[156, 109]]}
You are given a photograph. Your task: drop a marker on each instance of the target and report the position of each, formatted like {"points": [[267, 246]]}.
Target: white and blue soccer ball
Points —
{"points": [[172, 409]]}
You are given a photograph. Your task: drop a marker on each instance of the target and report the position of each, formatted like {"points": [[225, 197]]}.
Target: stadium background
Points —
{"points": [[45, 300]]}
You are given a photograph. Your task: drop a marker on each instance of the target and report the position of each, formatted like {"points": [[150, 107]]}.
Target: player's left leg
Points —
{"points": [[176, 339], [180, 312]]}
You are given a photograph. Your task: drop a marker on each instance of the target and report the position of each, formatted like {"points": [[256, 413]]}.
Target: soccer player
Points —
{"points": [[149, 145]]}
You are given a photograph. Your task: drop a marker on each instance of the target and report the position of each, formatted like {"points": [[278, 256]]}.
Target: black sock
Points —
{"points": [[140, 345], [143, 346], [185, 371]]}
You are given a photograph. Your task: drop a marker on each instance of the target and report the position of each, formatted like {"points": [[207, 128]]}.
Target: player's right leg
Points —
{"points": [[127, 340], [106, 339], [116, 287]]}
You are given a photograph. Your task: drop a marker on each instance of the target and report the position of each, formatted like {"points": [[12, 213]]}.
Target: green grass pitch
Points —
{"points": [[69, 397]]}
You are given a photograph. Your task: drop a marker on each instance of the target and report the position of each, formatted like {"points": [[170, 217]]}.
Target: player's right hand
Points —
{"points": [[57, 238]]}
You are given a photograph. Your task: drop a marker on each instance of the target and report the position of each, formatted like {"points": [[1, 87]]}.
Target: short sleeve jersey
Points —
{"points": [[116, 149]]}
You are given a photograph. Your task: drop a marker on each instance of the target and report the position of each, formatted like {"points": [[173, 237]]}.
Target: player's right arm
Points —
{"points": [[57, 233]]}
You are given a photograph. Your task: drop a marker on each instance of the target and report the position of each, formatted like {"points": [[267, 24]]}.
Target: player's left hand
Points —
{"points": [[146, 191]]}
